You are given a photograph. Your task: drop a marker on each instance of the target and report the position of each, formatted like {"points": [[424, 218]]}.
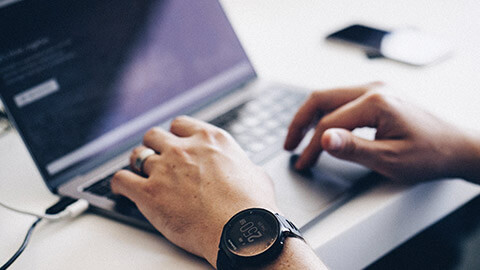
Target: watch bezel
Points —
{"points": [[262, 258]]}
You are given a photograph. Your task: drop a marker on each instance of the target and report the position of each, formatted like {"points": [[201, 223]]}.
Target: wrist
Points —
{"points": [[210, 246], [296, 254], [254, 238], [211, 239], [471, 168], [468, 159]]}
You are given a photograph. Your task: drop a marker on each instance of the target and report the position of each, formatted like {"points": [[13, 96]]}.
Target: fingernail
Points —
{"points": [[335, 142]]}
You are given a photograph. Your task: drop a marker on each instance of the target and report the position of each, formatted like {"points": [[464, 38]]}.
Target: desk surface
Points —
{"points": [[285, 41]]}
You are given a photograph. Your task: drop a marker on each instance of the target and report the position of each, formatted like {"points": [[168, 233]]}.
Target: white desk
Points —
{"points": [[284, 40]]}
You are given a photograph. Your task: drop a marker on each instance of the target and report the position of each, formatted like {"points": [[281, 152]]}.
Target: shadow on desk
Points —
{"points": [[451, 243]]}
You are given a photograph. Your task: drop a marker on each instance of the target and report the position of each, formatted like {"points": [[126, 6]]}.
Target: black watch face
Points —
{"points": [[251, 233]]}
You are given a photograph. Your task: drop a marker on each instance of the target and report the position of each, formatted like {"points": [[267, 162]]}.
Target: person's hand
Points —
{"points": [[410, 144], [198, 180]]}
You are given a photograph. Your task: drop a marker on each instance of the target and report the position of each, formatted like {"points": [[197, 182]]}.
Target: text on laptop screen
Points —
{"points": [[79, 77]]}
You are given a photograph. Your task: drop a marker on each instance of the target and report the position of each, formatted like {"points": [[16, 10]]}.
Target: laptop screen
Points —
{"points": [[81, 77]]}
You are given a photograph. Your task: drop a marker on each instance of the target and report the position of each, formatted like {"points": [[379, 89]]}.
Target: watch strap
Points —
{"points": [[292, 229], [223, 262]]}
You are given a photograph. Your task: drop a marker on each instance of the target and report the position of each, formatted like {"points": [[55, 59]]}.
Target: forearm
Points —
{"points": [[296, 254], [469, 169]]}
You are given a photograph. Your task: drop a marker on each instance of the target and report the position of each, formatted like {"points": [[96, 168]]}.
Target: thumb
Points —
{"points": [[342, 144]]}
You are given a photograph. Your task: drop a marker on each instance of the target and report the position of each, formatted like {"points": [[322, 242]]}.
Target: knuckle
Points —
{"points": [[135, 152], [151, 162], [315, 95], [220, 134], [313, 99], [213, 135], [117, 176], [177, 151], [351, 148], [322, 124], [150, 189], [211, 149], [178, 120], [373, 86], [120, 174], [152, 133], [377, 97], [205, 133], [390, 159]]}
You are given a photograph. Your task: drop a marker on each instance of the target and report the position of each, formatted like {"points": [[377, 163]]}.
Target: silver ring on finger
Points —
{"points": [[140, 160]]}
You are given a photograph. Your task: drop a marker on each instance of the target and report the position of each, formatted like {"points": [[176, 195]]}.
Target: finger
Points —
{"points": [[185, 126], [318, 103], [148, 163], [358, 113], [128, 184], [342, 144], [158, 139]]}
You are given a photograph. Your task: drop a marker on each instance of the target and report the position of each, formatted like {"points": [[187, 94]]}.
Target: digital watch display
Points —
{"points": [[253, 237]]}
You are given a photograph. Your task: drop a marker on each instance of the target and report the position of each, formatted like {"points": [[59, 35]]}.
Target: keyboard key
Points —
{"points": [[259, 131], [272, 124], [253, 106], [271, 139], [260, 123], [285, 118], [237, 128], [256, 147], [102, 187], [251, 121]]}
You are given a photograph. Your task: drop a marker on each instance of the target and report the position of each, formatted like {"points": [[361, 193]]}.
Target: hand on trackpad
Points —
{"points": [[308, 172], [330, 169]]}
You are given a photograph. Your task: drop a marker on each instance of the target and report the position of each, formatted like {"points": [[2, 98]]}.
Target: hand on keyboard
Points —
{"points": [[200, 178]]}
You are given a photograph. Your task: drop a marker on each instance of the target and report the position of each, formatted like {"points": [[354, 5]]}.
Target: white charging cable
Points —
{"points": [[73, 210], [64, 208]]}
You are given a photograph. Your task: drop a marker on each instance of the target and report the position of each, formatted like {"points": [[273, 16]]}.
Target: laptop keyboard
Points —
{"points": [[259, 126], [102, 187]]}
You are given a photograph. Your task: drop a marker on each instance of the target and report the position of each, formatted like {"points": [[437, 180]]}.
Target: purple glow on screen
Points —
{"points": [[183, 44]]}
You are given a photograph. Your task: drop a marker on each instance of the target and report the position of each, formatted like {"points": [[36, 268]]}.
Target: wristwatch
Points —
{"points": [[253, 237]]}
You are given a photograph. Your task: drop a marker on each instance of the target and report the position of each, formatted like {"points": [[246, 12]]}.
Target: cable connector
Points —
{"points": [[77, 208], [65, 208]]}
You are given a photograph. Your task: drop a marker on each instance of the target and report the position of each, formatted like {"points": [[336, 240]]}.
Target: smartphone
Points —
{"points": [[408, 45], [368, 38]]}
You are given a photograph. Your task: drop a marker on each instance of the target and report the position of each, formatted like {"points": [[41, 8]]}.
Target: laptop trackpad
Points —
{"points": [[302, 196]]}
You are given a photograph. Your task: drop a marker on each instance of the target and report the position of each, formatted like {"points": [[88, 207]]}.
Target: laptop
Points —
{"points": [[82, 81]]}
